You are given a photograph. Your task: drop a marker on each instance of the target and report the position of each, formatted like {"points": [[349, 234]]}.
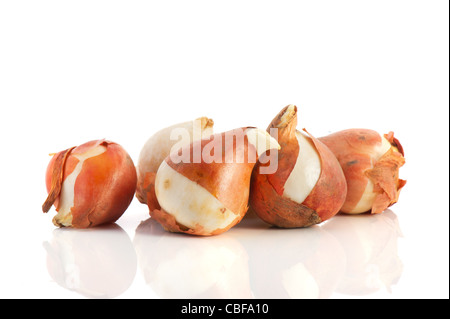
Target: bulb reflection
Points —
{"points": [[98, 262], [180, 266], [371, 246], [305, 263], [349, 254]]}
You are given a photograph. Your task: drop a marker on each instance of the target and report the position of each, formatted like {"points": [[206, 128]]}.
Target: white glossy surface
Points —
{"points": [[350, 256], [72, 71]]}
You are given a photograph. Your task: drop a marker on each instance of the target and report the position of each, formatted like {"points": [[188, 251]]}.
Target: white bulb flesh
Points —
{"points": [[366, 201], [306, 171], [159, 146], [261, 140], [67, 195], [189, 203], [368, 197]]}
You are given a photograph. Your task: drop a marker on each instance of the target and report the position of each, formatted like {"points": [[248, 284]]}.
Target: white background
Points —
{"points": [[73, 71]]}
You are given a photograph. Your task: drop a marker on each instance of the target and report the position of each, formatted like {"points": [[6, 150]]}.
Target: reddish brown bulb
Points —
{"points": [[371, 164], [90, 184]]}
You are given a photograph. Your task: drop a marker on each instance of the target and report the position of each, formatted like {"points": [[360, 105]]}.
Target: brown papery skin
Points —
{"points": [[325, 199], [277, 210], [330, 191], [286, 125], [355, 150], [225, 179], [103, 189], [146, 191]]}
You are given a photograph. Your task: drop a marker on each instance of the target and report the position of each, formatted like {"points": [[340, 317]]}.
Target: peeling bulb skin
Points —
{"points": [[307, 188], [209, 196], [93, 185], [158, 147], [371, 164]]}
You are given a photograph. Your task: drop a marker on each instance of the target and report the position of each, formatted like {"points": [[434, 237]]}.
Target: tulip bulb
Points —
{"points": [[206, 191], [308, 187], [90, 184], [371, 164], [158, 147]]}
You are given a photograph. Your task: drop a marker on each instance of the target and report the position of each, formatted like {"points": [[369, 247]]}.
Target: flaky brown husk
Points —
{"points": [[266, 196], [147, 193], [330, 191], [277, 210], [385, 178], [353, 149], [285, 124]]}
